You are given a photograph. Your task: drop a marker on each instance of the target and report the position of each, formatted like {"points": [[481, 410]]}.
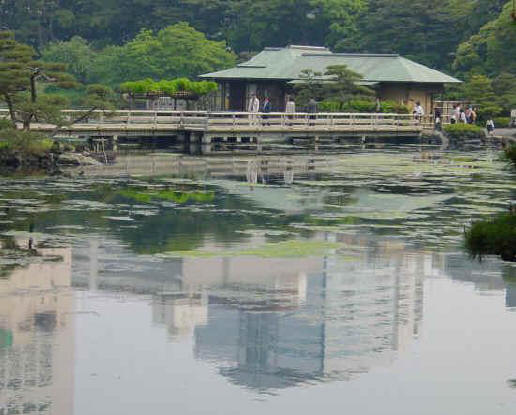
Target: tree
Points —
{"points": [[174, 52], [490, 51], [479, 90], [19, 75], [344, 84], [341, 19], [76, 53], [504, 86], [310, 86], [427, 33]]}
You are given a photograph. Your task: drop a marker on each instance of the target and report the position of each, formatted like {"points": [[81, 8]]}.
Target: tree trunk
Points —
{"points": [[11, 109], [33, 95]]}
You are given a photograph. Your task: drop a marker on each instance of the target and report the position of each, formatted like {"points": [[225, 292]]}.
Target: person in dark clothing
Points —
{"points": [[312, 110], [437, 119], [267, 107]]}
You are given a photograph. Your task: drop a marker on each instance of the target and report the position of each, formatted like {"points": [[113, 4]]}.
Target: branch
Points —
{"points": [[12, 112], [78, 119]]}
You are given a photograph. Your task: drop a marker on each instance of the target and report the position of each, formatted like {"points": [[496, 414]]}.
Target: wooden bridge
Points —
{"points": [[203, 126]]}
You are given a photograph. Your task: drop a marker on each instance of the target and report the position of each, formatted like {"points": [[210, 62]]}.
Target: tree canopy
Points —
{"points": [[492, 50], [19, 78], [173, 52]]}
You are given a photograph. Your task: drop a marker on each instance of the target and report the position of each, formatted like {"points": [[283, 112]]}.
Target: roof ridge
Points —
{"points": [[359, 55]]}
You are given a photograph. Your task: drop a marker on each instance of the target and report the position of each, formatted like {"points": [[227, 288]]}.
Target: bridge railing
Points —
{"points": [[204, 119], [302, 119]]}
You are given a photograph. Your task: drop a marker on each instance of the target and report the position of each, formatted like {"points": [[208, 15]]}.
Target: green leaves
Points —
{"points": [[175, 51], [148, 86], [492, 50]]}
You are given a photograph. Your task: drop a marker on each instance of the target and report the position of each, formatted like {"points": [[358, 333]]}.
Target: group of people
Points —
{"points": [[461, 116], [290, 105], [254, 107]]}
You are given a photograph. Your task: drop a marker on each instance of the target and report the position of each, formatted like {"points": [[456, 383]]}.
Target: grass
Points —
{"points": [[495, 236]]}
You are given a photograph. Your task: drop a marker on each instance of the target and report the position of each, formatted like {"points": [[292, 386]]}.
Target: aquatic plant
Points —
{"points": [[146, 196], [495, 236], [285, 249]]}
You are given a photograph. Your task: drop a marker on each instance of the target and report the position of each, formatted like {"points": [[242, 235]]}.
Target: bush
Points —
{"points": [[329, 106], [394, 107], [464, 131], [5, 124], [496, 236], [27, 143], [510, 154], [501, 122], [169, 87], [362, 105]]}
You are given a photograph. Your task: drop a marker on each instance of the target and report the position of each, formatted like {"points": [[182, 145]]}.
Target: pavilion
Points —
{"points": [[273, 71]]}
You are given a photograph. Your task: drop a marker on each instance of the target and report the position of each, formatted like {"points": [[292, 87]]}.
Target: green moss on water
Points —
{"points": [[147, 196], [286, 249]]}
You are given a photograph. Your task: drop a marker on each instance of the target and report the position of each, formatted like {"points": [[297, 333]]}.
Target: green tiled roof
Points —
{"points": [[287, 63]]}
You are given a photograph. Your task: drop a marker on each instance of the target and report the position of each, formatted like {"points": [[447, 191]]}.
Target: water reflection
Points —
{"points": [[168, 258], [37, 337], [352, 318]]}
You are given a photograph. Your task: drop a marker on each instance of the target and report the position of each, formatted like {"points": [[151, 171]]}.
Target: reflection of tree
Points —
{"points": [[172, 228]]}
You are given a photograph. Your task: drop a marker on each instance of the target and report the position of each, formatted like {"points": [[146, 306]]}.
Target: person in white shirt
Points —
{"points": [[490, 126], [462, 118], [253, 107], [254, 104], [290, 108], [418, 112]]}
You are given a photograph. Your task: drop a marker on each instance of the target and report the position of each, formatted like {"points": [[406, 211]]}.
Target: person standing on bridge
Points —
{"points": [[253, 108], [312, 110], [267, 107], [419, 112], [290, 108]]}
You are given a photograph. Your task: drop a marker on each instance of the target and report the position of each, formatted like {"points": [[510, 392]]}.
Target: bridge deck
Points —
{"points": [[207, 124]]}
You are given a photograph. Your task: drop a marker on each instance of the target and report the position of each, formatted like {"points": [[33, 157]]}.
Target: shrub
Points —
{"points": [[394, 107], [329, 106], [169, 87], [496, 236], [5, 124], [501, 122], [510, 154], [464, 131], [24, 142], [361, 105]]}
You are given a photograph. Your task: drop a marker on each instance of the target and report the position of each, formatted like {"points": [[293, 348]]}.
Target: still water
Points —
{"points": [[228, 284]]}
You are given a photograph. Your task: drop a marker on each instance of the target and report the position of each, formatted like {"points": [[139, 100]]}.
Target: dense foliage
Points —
{"points": [[169, 87], [430, 32], [510, 154], [495, 236], [464, 131], [114, 41], [175, 51]]}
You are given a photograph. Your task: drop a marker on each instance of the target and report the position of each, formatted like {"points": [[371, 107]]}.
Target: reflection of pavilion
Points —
{"points": [[37, 341]]}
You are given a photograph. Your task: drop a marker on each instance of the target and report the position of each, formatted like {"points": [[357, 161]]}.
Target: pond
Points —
{"points": [[272, 283]]}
